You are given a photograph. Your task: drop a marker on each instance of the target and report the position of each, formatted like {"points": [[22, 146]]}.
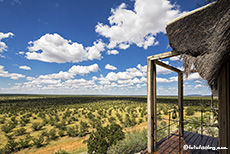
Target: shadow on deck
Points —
{"points": [[173, 144]]}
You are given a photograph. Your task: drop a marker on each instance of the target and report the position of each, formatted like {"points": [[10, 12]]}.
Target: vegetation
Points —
{"points": [[134, 142], [104, 137], [34, 121]]}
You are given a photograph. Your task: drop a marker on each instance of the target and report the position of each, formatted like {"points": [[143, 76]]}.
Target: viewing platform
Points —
{"points": [[174, 144]]}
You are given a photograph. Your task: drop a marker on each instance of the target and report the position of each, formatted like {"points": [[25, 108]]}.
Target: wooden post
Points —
{"points": [[224, 107], [155, 105], [180, 104], [211, 118], [150, 108]]}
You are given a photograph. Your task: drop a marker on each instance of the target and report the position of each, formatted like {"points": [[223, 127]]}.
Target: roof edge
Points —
{"points": [[191, 12]]}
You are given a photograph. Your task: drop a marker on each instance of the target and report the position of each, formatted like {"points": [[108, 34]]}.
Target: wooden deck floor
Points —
{"points": [[174, 145]]}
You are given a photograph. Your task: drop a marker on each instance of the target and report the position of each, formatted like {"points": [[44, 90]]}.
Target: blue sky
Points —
{"points": [[88, 46]]}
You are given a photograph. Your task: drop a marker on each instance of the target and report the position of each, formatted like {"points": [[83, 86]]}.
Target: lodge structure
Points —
{"points": [[202, 40]]}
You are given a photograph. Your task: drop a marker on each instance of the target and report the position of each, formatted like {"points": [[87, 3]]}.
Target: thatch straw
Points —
{"points": [[203, 39]]}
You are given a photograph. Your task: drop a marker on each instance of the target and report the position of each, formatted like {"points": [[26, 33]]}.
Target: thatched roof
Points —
{"points": [[202, 37]]}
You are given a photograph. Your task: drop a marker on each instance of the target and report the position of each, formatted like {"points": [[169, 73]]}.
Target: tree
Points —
{"points": [[36, 126], [72, 131], [11, 146], [52, 134], [38, 142], [83, 129], [104, 137]]}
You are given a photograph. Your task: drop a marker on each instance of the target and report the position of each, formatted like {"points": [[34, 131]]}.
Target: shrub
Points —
{"points": [[11, 146], [104, 137], [72, 131], [61, 125], [61, 133], [36, 126], [112, 119], [52, 134], [83, 129], [45, 133], [3, 119], [20, 131], [24, 143], [189, 111], [61, 152], [8, 127], [134, 142], [38, 142]]}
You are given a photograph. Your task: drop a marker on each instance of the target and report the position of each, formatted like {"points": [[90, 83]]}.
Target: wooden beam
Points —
{"points": [[150, 92], [224, 107], [163, 55], [155, 106], [180, 104], [167, 66]]}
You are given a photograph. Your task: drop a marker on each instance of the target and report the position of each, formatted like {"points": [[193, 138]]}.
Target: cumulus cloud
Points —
{"points": [[72, 72], [110, 67], [112, 52], [3, 46], [13, 76], [193, 76], [138, 26], [199, 86], [25, 67], [54, 48], [165, 80], [160, 70]]}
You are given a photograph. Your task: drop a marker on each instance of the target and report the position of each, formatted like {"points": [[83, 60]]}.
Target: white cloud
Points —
{"points": [[160, 70], [198, 81], [3, 46], [30, 78], [94, 52], [193, 76], [104, 82], [112, 52], [13, 76], [55, 48], [199, 86], [175, 58], [110, 67], [25, 67], [163, 80], [21, 52], [72, 72], [138, 26]]}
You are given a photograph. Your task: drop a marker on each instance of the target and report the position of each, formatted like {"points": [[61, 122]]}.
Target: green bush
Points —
{"points": [[61, 133], [24, 143], [38, 142], [134, 142], [83, 129], [11, 146], [52, 134], [190, 111], [36, 126], [72, 131], [8, 127], [104, 137], [61, 152], [20, 131]]}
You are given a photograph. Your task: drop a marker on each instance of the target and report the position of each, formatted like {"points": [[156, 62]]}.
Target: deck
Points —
{"points": [[173, 144]]}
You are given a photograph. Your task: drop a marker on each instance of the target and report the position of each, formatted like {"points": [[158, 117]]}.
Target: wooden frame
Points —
{"points": [[224, 107], [151, 97]]}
